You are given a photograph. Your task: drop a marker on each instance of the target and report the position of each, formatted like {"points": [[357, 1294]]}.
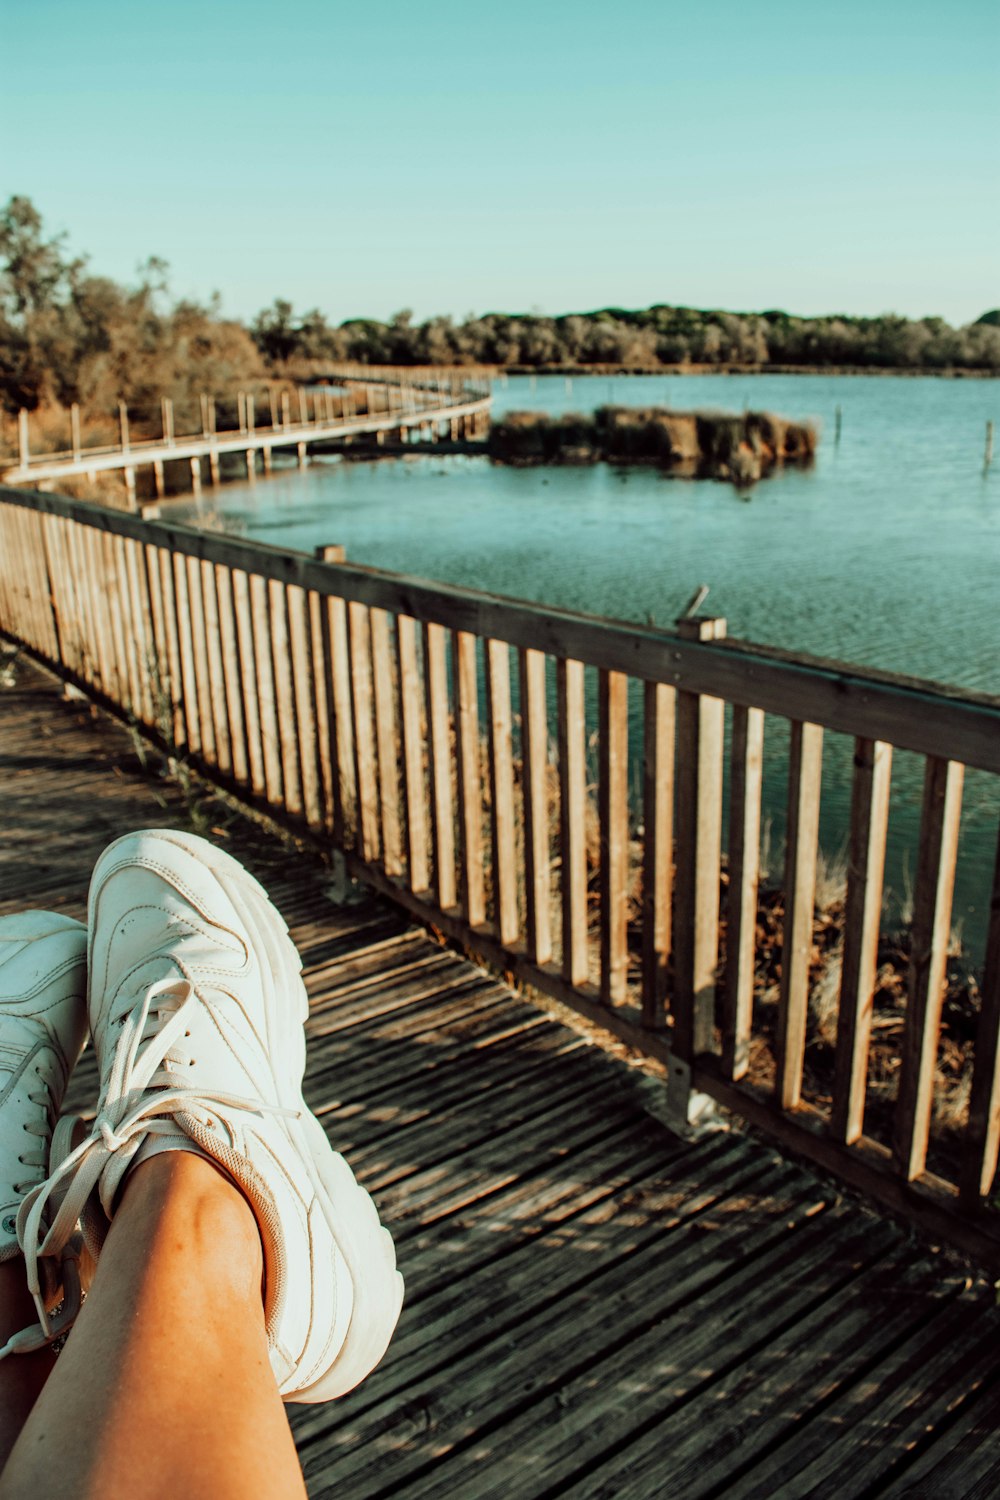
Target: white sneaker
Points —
{"points": [[43, 1026], [196, 1008]]}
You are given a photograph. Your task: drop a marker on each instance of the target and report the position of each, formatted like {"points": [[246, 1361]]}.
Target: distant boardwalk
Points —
{"points": [[595, 1308], [394, 405]]}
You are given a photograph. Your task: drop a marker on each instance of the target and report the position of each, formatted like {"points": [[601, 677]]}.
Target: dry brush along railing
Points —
{"points": [[410, 726]]}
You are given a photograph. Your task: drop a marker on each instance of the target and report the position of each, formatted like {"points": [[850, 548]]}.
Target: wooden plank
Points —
{"points": [[534, 757], [982, 1136], [301, 660], [439, 765], [572, 732], [614, 833], [747, 761], [465, 694], [805, 773], [284, 694], [387, 740], [160, 666], [700, 722], [175, 690], [659, 727], [909, 713], [260, 616], [410, 695], [140, 629], [232, 676], [219, 706], [338, 691], [501, 760], [243, 610], [365, 774], [124, 666], [863, 910], [929, 936], [196, 626], [324, 708]]}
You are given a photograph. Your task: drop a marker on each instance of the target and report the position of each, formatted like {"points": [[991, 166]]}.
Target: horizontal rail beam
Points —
{"points": [[909, 713]]}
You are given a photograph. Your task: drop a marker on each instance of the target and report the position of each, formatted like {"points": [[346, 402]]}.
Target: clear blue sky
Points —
{"points": [[518, 154]]}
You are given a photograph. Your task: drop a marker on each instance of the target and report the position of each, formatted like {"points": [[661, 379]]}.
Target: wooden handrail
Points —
{"points": [[376, 714]]}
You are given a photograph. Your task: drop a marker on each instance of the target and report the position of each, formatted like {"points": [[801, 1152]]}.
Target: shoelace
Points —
{"points": [[139, 1099]]}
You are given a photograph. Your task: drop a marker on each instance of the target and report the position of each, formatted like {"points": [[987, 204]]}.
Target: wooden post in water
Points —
{"points": [[74, 423], [251, 464], [23, 448], [213, 465], [301, 449], [158, 477], [123, 425], [266, 456], [196, 474], [130, 487]]}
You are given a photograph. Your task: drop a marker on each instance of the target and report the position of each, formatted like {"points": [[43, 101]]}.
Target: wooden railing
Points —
{"points": [[445, 741]]}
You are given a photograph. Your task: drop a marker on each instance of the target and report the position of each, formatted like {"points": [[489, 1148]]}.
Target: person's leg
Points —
{"points": [[22, 1376], [164, 1387]]}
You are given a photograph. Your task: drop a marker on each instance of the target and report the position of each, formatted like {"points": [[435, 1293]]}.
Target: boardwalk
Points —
{"points": [[595, 1308]]}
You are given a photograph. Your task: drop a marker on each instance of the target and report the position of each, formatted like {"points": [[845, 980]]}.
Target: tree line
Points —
{"points": [[68, 335]]}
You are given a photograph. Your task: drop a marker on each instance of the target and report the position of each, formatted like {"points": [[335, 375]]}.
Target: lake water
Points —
{"points": [[886, 552]]}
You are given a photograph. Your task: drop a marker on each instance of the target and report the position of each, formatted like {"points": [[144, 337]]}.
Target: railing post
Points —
{"points": [[699, 835], [23, 446], [74, 423], [167, 410], [123, 425]]}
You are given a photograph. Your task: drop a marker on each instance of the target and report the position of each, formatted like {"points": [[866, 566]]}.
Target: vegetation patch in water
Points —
{"points": [[718, 445]]}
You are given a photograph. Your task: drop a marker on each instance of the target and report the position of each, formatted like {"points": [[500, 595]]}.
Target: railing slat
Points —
{"points": [[198, 630], [300, 641], [613, 819], [439, 765], [571, 711], [141, 631], [410, 694], [746, 761], [534, 754], [185, 637], [178, 722], [162, 708], [260, 614], [470, 793], [232, 677], [982, 1136], [216, 670], [338, 691], [862, 913], [359, 645], [284, 692], [124, 661], [659, 728], [929, 934], [243, 610], [319, 675], [700, 722], [387, 741], [805, 776], [501, 756]]}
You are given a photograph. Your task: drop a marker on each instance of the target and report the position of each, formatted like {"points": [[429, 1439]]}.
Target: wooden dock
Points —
{"points": [[595, 1307]]}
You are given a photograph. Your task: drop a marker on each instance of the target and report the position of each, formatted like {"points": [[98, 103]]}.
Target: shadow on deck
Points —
{"points": [[595, 1308]]}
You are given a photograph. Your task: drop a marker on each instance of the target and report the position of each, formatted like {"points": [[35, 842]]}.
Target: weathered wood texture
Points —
{"points": [[595, 1308]]}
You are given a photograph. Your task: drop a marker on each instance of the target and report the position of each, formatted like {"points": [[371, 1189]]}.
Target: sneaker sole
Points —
{"points": [[363, 1241]]}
